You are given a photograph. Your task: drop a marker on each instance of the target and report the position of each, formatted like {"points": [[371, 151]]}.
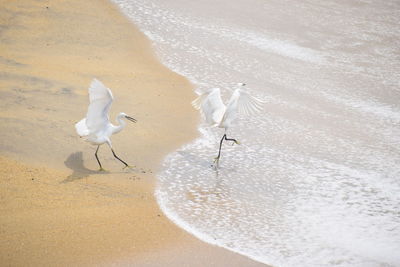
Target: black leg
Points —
{"points": [[220, 145], [98, 161], [126, 165], [230, 139], [216, 161]]}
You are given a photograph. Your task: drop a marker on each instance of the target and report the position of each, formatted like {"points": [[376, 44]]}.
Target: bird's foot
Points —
{"points": [[216, 162], [102, 170], [236, 142], [129, 167]]}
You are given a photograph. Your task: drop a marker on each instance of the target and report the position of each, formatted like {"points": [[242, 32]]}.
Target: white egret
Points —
{"points": [[216, 114], [96, 127]]}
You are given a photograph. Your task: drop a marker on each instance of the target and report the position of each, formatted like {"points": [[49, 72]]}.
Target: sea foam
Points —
{"points": [[315, 181]]}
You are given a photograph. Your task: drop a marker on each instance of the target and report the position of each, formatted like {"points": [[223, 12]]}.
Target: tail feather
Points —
{"points": [[81, 128]]}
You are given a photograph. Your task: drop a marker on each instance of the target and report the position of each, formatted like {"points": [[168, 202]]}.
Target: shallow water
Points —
{"points": [[316, 179]]}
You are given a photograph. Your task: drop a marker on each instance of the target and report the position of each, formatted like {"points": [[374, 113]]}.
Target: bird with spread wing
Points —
{"points": [[217, 114], [96, 126]]}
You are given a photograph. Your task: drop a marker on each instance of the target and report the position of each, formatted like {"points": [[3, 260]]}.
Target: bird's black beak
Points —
{"points": [[131, 119]]}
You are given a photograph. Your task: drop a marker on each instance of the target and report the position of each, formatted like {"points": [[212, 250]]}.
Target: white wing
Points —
{"points": [[100, 98], [243, 103], [248, 104], [81, 128], [210, 105]]}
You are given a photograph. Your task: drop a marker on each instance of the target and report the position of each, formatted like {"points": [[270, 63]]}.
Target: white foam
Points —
{"points": [[315, 182]]}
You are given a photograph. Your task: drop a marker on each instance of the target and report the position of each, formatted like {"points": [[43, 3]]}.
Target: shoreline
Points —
{"points": [[56, 209]]}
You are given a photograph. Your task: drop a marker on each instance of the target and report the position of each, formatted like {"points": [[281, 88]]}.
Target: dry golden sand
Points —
{"points": [[56, 209]]}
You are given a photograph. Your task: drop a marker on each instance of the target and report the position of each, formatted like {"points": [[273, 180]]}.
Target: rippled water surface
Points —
{"points": [[316, 181]]}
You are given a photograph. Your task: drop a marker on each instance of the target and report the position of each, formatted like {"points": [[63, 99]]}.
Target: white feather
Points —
{"points": [[211, 106], [100, 98], [247, 104], [217, 114], [81, 128]]}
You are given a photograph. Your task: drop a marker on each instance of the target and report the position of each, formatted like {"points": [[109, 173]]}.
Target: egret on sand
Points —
{"points": [[217, 114], [96, 127]]}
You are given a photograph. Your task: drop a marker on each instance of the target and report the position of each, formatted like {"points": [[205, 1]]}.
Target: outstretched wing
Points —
{"points": [[243, 103], [248, 104], [100, 98], [210, 105]]}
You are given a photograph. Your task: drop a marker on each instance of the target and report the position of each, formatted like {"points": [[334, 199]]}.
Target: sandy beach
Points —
{"points": [[56, 208]]}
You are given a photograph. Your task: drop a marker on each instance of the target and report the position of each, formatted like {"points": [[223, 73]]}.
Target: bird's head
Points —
{"points": [[129, 118], [241, 84]]}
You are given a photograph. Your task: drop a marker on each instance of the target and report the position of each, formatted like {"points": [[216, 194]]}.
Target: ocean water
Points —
{"points": [[316, 180]]}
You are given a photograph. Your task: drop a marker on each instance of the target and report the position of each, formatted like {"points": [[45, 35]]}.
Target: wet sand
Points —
{"points": [[56, 208]]}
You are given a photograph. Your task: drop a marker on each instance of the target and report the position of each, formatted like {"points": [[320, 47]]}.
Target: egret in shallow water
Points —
{"points": [[216, 114], [96, 127]]}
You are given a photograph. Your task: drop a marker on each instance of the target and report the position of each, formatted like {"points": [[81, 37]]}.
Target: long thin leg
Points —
{"points": [[220, 145], [126, 165], [216, 161], [98, 161], [230, 139]]}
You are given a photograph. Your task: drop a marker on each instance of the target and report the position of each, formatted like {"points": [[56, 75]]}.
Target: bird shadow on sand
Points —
{"points": [[79, 171]]}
